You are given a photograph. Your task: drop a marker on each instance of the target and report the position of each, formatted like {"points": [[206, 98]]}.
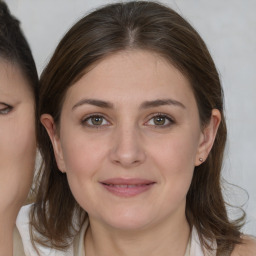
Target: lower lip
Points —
{"points": [[127, 191]]}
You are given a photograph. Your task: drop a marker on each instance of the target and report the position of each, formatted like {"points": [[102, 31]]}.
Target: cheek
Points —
{"points": [[26, 136], [18, 142], [174, 157], [82, 160], [17, 154], [178, 151], [83, 157]]}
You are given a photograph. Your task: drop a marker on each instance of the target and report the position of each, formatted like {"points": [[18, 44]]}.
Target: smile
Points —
{"points": [[127, 187]]}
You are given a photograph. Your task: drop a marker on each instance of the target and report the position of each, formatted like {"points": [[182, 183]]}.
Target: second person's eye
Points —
{"points": [[5, 109]]}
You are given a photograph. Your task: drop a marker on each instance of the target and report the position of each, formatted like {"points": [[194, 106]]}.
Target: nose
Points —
{"points": [[127, 148]]}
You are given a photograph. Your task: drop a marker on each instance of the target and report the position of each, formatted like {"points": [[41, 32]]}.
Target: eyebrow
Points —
{"points": [[161, 102], [94, 102], [144, 105]]}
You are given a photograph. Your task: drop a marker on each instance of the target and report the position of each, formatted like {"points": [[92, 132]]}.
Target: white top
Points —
{"points": [[77, 246]]}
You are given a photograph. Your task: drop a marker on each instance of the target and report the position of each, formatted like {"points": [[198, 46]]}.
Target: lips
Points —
{"points": [[127, 187], [124, 185]]}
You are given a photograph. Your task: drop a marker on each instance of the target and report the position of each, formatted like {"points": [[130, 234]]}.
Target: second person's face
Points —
{"points": [[17, 136], [129, 139]]}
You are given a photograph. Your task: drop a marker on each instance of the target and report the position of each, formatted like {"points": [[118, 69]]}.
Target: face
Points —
{"points": [[129, 138], [17, 135]]}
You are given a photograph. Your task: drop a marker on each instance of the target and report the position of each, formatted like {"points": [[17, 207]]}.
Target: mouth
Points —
{"points": [[127, 187]]}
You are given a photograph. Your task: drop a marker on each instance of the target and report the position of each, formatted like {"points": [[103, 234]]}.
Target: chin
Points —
{"points": [[128, 221], [128, 225]]}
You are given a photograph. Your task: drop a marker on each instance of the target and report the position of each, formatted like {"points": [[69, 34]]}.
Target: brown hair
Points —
{"points": [[117, 27]]}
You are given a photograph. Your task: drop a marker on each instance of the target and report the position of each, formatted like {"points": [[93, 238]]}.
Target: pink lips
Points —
{"points": [[127, 187]]}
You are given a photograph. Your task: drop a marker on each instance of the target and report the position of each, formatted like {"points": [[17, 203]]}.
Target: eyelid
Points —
{"points": [[87, 117], [168, 117], [5, 108]]}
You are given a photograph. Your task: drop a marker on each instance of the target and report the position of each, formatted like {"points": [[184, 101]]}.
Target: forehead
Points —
{"points": [[134, 69], [12, 80]]}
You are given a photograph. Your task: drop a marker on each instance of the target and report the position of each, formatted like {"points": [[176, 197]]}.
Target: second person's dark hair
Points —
{"points": [[15, 49]]}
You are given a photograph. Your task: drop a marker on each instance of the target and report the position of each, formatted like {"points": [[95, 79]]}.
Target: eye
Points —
{"points": [[160, 120], [5, 109], [95, 121]]}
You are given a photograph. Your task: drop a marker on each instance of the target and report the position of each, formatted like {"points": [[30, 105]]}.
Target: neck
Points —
{"points": [[169, 238], [6, 235]]}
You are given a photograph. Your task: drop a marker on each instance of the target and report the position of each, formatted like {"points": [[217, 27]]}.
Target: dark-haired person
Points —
{"points": [[132, 139], [18, 90]]}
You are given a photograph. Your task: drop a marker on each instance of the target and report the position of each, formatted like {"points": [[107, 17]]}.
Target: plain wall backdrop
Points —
{"points": [[229, 29]]}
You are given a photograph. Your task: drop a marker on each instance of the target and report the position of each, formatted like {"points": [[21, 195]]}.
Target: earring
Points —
{"points": [[201, 159]]}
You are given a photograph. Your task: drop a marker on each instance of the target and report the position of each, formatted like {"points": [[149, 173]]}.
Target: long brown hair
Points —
{"points": [[117, 27]]}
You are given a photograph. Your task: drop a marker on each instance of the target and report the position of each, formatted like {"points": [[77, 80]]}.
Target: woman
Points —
{"points": [[132, 138], [18, 90]]}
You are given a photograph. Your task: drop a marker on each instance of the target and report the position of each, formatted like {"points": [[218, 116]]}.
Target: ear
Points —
{"points": [[48, 122], [207, 137]]}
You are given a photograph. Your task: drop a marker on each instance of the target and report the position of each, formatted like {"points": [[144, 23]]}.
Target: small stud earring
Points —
{"points": [[201, 159]]}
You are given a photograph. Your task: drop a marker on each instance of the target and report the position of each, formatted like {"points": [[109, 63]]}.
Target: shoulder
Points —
{"points": [[22, 224], [24, 229], [246, 248], [18, 248], [24, 212], [22, 221]]}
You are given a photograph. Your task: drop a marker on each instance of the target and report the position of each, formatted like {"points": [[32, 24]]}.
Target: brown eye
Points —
{"points": [[95, 121], [159, 120]]}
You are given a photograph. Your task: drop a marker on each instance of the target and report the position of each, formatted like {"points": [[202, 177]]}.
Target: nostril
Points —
{"points": [[127, 151]]}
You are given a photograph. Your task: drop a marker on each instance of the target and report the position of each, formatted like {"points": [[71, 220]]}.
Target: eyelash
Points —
{"points": [[6, 109], [165, 117], [87, 121]]}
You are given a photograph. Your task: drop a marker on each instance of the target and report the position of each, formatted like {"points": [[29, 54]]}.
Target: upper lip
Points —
{"points": [[127, 181]]}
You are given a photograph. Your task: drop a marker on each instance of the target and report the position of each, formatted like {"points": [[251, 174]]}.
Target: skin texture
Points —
{"points": [[247, 248], [161, 143], [17, 148]]}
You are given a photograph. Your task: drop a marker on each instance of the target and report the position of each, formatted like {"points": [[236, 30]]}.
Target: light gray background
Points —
{"points": [[228, 28]]}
